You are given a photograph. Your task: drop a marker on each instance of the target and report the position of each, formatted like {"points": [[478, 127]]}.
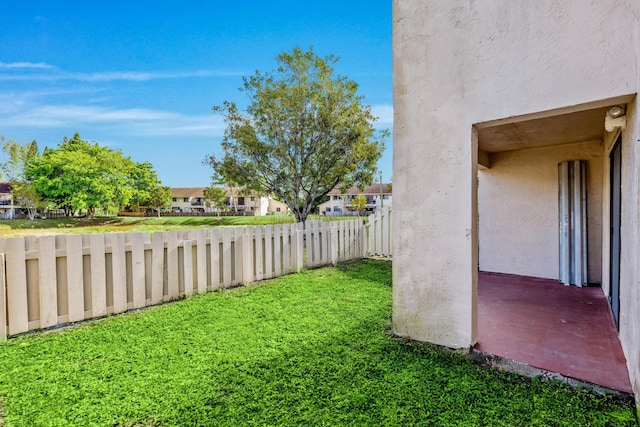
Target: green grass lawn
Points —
{"points": [[307, 349], [24, 227]]}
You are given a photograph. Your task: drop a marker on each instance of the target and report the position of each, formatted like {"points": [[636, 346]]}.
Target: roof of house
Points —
{"points": [[5, 188], [187, 192], [371, 190], [199, 192]]}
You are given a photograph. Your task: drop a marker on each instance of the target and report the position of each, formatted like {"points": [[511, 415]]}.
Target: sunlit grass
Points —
{"points": [[24, 227], [306, 349]]}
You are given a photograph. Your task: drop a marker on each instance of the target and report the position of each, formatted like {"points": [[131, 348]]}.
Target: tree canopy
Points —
{"points": [[78, 175], [215, 197], [15, 168], [304, 132], [359, 203], [159, 197]]}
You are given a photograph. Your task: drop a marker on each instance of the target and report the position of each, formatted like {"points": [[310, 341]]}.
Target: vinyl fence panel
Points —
{"points": [[47, 280]]}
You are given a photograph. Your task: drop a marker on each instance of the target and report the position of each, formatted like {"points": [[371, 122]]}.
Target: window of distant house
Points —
{"points": [[336, 197], [278, 210], [385, 196], [175, 199], [253, 199], [186, 199]]}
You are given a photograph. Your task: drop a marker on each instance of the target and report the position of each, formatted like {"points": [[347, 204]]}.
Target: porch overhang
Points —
{"points": [[578, 123]]}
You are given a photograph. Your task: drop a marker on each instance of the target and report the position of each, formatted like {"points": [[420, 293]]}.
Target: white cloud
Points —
{"points": [[109, 76], [25, 65], [129, 121], [384, 112]]}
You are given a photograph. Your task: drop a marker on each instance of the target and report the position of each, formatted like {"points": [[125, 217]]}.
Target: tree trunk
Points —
{"points": [[32, 213], [300, 216]]}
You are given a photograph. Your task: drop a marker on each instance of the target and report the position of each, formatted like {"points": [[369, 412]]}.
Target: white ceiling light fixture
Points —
{"points": [[615, 111], [615, 118]]}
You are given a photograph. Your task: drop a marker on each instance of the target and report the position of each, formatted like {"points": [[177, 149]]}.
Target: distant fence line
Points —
{"points": [[53, 280], [194, 213]]}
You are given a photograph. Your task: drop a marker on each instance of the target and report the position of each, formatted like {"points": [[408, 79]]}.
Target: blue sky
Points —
{"points": [[142, 76]]}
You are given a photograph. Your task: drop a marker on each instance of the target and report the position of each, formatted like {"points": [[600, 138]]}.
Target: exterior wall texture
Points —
{"points": [[630, 246], [518, 210], [461, 63]]}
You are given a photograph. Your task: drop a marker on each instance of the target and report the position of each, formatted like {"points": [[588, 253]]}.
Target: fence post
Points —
{"points": [[333, 233], [98, 274], [379, 234], [136, 241], [187, 262], [286, 248], [201, 260], [268, 252], [386, 232], [341, 241], [315, 233], [214, 261], [247, 255], [362, 231], [299, 247], [226, 256], [277, 250], [259, 234], [3, 301], [157, 267], [48, 290], [16, 282], [237, 254], [324, 243], [371, 234], [119, 276]]}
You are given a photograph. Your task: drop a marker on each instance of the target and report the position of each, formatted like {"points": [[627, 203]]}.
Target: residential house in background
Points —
{"points": [[191, 200], [7, 207], [187, 199], [516, 151], [339, 204]]}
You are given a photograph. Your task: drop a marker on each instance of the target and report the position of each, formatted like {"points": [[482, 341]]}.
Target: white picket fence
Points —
{"points": [[53, 280], [379, 233]]}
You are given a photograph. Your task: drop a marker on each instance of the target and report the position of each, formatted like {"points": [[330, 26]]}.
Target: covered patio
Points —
{"points": [[567, 330]]}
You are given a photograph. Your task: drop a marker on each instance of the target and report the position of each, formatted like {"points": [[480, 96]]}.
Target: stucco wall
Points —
{"points": [[458, 63], [518, 210], [630, 246]]}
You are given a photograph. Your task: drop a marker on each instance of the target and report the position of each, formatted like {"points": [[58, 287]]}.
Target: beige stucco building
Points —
{"points": [[191, 199], [7, 208], [339, 203], [490, 99]]}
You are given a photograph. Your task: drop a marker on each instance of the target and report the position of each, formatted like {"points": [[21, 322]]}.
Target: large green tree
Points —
{"points": [[159, 197], [145, 185], [78, 175], [215, 197], [19, 157], [304, 132]]}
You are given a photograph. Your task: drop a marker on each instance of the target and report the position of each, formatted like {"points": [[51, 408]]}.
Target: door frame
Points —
{"points": [[615, 204]]}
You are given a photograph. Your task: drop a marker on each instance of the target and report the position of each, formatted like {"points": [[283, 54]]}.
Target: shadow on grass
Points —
{"points": [[307, 349], [19, 224], [358, 374]]}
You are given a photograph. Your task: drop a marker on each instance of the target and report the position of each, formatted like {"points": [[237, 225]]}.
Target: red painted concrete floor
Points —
{"points": [[541, 322]]}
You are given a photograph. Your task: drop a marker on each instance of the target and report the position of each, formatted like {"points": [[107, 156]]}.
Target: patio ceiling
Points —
{"points": [[578, 123], [561, 129]]}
